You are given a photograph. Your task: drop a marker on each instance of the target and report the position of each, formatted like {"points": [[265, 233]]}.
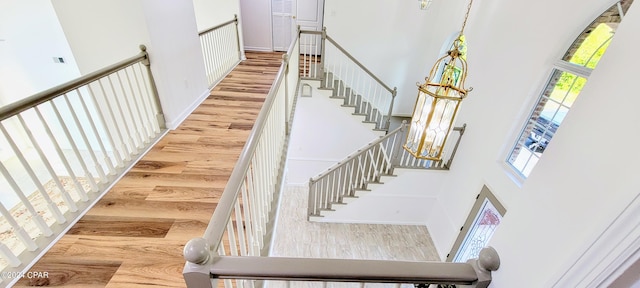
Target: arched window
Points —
{"points": [[565, 83]]}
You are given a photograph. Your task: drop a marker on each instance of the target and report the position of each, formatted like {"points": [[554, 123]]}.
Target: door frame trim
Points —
{"points": [[485, 193]]}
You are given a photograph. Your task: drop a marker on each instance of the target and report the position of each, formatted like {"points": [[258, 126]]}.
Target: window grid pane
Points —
{"points": [[563, 88]]}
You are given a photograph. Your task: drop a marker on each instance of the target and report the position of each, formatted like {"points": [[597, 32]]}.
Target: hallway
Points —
{"points": [[134, 236]]}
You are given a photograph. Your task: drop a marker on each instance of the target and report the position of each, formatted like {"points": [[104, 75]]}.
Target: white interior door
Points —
{"points": [[283, 22], [288, 14], [309, 14]]}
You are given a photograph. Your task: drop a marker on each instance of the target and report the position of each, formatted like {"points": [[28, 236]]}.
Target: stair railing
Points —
{"points": [[367, 165], [406, 160], [61, 149], [322, 58], [221, 50], [363, 166], [253, 272], [242, 222]]}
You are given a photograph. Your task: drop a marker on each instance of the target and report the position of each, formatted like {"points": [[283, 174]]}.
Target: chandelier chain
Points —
{"points": [[466, 16]]}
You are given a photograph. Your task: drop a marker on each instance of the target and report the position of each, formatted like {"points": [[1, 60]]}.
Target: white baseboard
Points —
{"points": [[259, 49], [175, 123], [341, 221]]}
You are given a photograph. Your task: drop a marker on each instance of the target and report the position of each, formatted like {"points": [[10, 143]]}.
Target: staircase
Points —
{"points": [[371, 166], [356, 88], [350, 98]]}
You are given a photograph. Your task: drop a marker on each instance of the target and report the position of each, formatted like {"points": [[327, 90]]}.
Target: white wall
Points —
{"points": [[581, 184], [176, 57], [317, 141], [210, 13], [102, 32], [256, 24], [30, 37], [403, 199], [396, 40]]}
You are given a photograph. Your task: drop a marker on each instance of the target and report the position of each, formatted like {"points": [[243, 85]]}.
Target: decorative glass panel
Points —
{"points": [[483, 220], [485, 224]]}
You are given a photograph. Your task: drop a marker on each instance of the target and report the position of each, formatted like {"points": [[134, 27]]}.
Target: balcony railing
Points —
{"points": [[221, 50], [61, 149], [238, 236]]}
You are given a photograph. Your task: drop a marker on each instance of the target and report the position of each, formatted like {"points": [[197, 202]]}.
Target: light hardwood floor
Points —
{"points": [[134, 236]]}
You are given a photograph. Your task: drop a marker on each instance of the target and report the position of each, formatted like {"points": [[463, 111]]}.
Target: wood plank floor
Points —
{"points": [[134, 236]]}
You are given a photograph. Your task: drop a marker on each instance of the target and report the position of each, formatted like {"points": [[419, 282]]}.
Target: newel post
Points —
{"points": [[241, 54], [196, 271], [487, 261], [285, 62], [152, 83], [399, 139], [393, 99], [323, 76]]}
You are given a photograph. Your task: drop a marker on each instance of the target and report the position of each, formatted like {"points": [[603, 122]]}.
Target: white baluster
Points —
{"points": [[240, 229], [8, 256], [255, 218], [74, 147], [145, 135], [247, 209], [92, 154], [79, 189], [231, 233], [129, 139], [94, 129], [133, 123], [304, 57], [218, 50], [148, 96], [37, 219], [18, 230], [63, 192], [205, 56], [126, 153], [55, 211]]}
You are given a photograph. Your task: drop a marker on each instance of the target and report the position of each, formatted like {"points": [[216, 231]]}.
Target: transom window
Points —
{"points": [[565, 83]]}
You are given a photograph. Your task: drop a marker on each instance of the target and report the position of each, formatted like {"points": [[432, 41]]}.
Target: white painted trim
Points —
{"points": [[259, 49], [613, 273], [343, 221], [615, 249], [174, 124]]}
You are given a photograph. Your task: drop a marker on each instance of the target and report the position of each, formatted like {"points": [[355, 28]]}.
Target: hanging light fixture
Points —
{"points": [[438, 101]]}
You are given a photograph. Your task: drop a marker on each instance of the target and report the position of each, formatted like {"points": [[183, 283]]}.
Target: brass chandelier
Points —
{"points": [[438, 101]]}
